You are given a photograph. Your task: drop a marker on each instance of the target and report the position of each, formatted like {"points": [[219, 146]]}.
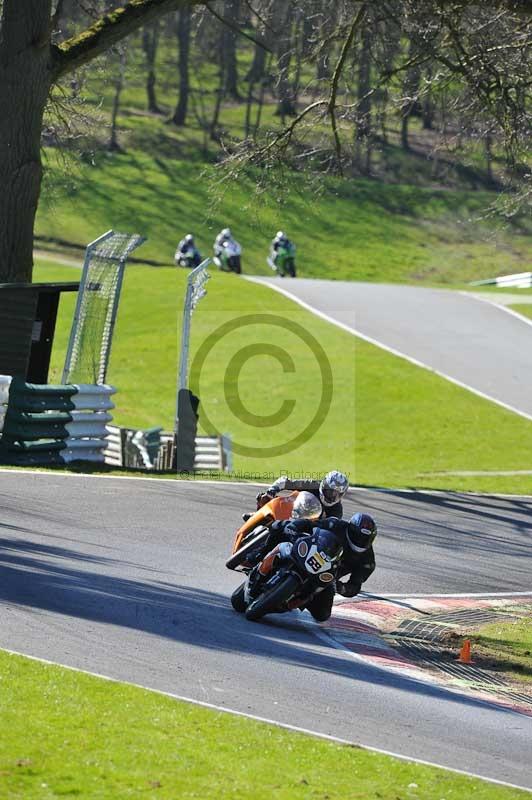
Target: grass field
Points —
{"points": [[507, 646], [353, 230], [73, 735], [390, 423], [525, 309]]}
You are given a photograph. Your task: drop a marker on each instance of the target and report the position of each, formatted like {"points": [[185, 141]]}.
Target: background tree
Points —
{"points": [[30, 63], [150, 43], [183, 39], [345, 79]]}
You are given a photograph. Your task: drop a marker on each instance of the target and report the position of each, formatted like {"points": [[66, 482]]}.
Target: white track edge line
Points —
{"points": [[214, 482], [284, 725], [500, 306], [389, 349]]}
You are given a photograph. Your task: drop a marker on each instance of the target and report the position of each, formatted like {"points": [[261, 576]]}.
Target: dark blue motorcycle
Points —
{"points": [[298, 572]]}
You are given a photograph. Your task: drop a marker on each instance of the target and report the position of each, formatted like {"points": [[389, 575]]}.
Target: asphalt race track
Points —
{"points": [[471, 341], [126, 578]]}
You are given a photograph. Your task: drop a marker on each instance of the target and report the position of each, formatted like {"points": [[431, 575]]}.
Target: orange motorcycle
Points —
{"points": [[254, 531]]}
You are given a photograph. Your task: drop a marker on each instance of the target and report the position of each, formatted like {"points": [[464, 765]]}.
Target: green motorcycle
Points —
{"points": [[284, 261]]}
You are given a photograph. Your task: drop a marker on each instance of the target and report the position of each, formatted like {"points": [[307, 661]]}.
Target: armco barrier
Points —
{"points": [[87, 431], [208, 453], [153, 449], [47, 424]]}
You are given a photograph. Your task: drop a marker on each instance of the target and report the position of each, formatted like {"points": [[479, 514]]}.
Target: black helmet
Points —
{"points": [[361, 532]]}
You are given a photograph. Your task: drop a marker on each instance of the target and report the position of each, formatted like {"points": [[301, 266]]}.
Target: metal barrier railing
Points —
{"points": [[155, 450]]}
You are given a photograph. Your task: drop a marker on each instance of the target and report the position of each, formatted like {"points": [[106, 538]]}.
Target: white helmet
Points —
{"points": [[306, 506], [333, 487], [189, 239], [226, 233], [280, 235]]}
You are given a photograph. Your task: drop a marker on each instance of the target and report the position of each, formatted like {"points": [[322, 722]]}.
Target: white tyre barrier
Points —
{"points": [[88, 430]]}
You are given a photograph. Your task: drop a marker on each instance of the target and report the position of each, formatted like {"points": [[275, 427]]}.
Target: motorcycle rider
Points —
{"points": [[187, 250], [306, 506], [330, 491], [357, 561], [280, 240], [224, 236]]}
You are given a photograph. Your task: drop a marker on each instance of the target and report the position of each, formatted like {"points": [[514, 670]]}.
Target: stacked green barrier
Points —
{"points": [[35, 423]]}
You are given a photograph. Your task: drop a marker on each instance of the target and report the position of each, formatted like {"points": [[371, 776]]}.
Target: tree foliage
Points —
{"points": [[338, 74]]}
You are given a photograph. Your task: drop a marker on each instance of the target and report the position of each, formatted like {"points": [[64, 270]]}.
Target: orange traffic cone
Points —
{"points": [[465, 652]]}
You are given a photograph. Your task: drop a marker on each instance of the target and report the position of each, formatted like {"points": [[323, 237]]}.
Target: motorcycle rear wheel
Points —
{"points": [[271, 600], [251, 543], [235, 264]]}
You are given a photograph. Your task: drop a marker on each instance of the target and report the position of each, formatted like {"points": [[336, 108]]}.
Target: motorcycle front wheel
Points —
{"points": [[271, 600], [235, 264], [237, 599], [291, 267]]}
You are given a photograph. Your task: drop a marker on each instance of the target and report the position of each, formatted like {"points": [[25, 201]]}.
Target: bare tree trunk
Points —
{"points": [[25, 80], [249, 103], [259, 110], [217, 106], [326, 22], [265, 34], [256, 70], [150, 43], [391, 43], [298, 52], [427, 106], [260, 102], [183, 37], [231, 9], [285, 106], [150, 40], [119, 85], [410, 95], [488, 143], [363, 123], [427, 113]]}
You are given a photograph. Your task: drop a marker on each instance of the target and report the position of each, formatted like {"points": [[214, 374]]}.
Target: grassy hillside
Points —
{"points": [[352, 229], [389, 424]]}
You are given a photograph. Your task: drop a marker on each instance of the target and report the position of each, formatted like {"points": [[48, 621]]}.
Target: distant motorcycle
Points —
{"points": [[300, 570], [229, 259], [284, 261], [188, 258]]}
